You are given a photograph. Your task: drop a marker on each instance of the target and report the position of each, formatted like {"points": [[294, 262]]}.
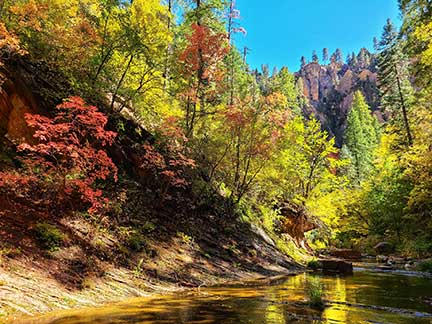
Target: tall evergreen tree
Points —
{"points": [[364, 58], [393, 78], [315, 58], [361, 136], [325, 55], [339, 56], [333, 59], [303, 62], [375, 43]]}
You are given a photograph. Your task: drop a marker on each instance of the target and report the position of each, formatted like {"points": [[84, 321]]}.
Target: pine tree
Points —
{"points": [[375, 44], [325, 55], [333, 59], [352, 60], [303, 62], [364, 58], [315, 58], [393, 79], [361, 136], [339, 56], [348, 59]]}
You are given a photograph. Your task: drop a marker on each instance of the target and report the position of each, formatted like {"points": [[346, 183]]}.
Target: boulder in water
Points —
{"points": [[336, 266]]}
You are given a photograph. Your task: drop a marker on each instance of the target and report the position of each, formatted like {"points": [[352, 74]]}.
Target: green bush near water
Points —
{"points": [[313, 264], [425, 266], [315, 293]]}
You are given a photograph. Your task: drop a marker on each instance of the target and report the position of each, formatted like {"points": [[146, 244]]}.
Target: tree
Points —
{"points": [[67, 159], [416, 29], [325, 55], [315, 58], [283, 83], [201, 67], [305, 161], [303, 62], [375, 43], [360, 137], [55, 32], [393, 82], [364, 58], [232, 28], [339, 56]]}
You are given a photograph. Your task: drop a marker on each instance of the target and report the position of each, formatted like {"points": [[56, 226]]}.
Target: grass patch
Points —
{"points": [[49, 236], [315, 293]]}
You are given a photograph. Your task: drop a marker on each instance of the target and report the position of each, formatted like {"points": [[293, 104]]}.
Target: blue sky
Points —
{"points": [[279, 32]]}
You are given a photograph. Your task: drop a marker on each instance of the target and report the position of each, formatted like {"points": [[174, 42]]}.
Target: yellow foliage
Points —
{"points": [[423, 34]]}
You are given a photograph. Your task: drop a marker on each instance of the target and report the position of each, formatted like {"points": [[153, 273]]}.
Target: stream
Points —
{"points": [[367, 296]]}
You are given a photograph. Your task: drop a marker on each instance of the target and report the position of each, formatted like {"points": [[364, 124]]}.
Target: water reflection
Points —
{"points": [[364, 297]]}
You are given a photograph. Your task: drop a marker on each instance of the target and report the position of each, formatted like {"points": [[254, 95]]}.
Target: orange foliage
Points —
{"points": [[204, 51], [9, 42]]}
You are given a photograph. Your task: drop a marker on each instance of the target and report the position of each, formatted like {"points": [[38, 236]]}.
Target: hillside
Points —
{"points": [[140, 153], [53, 258]]}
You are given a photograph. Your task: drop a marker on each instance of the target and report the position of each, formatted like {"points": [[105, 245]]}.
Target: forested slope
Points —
{"points": [[136, 137]]}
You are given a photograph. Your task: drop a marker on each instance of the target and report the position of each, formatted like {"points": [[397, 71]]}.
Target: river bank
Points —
{"points": [[93, 266], [358, 298]]}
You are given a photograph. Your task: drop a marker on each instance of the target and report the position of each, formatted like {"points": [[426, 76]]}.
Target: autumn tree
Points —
{"points": [[67, 158], [202, 60], [255, 130], [56, 32]]}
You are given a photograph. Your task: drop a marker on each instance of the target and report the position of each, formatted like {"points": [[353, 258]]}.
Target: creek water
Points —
{"points": [[367, 296]]}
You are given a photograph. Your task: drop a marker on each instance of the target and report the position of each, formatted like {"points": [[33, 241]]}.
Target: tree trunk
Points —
{"points": [[120, 82], [404, 112]]}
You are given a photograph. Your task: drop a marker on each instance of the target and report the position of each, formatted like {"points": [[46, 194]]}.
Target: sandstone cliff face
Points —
{"points": [[329, 90], [15, 101], [26, 87]]}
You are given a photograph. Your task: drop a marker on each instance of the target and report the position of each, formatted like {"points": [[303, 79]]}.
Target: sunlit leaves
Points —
{"points": [[67, 157]]}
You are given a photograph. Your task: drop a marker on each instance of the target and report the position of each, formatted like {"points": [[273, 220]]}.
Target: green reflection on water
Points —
{"points": [[395, 299]]}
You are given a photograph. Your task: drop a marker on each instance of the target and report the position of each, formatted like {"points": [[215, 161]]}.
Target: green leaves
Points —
{"points": [[361, 138]]}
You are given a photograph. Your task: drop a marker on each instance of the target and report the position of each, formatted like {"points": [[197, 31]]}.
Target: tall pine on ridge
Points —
{"points": [[393, 81]]}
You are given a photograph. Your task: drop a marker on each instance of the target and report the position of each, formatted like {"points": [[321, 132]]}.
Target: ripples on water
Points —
{"points": [[365, 297]]}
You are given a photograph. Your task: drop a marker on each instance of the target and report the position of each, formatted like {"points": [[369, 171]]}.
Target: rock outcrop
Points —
{"points": [[26, 87], [295, 222], [15, 102], [329, 91]]}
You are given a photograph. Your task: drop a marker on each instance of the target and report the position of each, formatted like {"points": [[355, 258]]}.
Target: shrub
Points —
{"points": [[425, 266], [186, 239], [131, 238], [50, 237], [315, 293], [136, 241], [313, 264], [66, 159]]}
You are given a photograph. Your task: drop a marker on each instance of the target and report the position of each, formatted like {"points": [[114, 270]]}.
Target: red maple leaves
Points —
{"points": [[67, 159], [168, 168], [204, 51]]}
